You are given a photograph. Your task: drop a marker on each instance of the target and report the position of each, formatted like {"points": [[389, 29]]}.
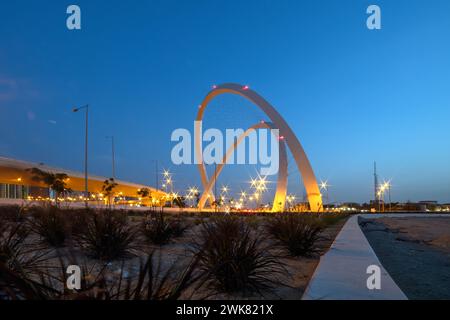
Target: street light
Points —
{"points": [[324, 186], [113, 157], [86, 190], [166, 173], [156, 174], [168, 182], [260, 186], [387, 186], [290, 198]]}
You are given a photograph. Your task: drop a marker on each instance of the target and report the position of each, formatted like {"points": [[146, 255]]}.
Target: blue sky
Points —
{"points": [[351, 95]]}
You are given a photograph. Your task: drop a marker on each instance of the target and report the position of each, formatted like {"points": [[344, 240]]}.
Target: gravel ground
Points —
{"points": [[417, 260]]}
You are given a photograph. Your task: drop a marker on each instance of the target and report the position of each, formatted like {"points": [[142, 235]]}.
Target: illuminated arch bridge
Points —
{"points": [[289, 139]]}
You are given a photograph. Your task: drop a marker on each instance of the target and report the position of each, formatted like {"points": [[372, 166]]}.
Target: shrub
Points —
{"points": [[178, 227], [298, 233], [12, 213], [107, 236], [234, 260], [154, 283], [159, 230], [150, 282], [50, 224], [78, 219], [17, 253]]}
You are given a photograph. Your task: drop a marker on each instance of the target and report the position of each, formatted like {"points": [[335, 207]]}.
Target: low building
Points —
{"points": [[16, 183]]}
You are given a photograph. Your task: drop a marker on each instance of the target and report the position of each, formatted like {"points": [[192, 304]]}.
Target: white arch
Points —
{"points": [[301, 160], [281, 190]]}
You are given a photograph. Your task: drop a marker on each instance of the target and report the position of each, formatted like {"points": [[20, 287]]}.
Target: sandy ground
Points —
{"points": [[432, 231], [293, 283], [299, 270], [415, 251]]}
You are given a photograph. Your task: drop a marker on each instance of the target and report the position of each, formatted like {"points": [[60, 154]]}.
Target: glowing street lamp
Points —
{"points": [[325, 186], [168, 182], [260, 186], [387, 186], [381, 191], [86, 190], [290, 199]]}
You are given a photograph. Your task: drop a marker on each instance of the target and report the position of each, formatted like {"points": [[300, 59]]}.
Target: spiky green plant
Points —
{"points": [[21, 261], [12, 213], [107, 236], [98, 282], [233, 259], [298, 233], [159, 230], [50, 224], [17, 251]]}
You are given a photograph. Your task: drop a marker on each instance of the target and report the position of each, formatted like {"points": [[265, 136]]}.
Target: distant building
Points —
{"points": [[428, 205], [16, 182]]}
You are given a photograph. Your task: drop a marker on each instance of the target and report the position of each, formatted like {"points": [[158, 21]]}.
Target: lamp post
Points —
{"points": [[86, 190], [113, 157], [215, 187], [390, 202], [387, 186], [156, 174], [169, 182], [324, 186]]}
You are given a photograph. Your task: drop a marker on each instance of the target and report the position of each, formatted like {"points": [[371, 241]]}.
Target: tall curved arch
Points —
{"points": [[301, 160], [281, 189]]}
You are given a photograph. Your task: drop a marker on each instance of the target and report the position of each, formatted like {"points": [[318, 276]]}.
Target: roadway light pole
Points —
{"points": [[113, 157], [325, 186], [390, 202], [156, 174], [156, 177], [86, 190], [215, 188]]}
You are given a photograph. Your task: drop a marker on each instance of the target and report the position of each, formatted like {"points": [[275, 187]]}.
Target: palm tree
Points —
{"points": [[54, 181], [179, 201], [197, 198], [144, 193], [108, 189]]}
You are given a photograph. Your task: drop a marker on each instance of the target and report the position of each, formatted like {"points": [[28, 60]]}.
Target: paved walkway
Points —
{"points": [[341, 273]]}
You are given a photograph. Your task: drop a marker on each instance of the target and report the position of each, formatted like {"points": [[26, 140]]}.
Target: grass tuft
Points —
{"points": [[107, 236], [233, 259], [159, 230], [298, 233], [50, 224]]}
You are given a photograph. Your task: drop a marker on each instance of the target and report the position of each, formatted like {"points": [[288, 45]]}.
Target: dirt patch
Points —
{"points": [[178, 253], [299, 270], [415, 251], [428, 230]]}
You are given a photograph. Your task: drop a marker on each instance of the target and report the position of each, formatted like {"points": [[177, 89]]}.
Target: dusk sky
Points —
{"points": [[351, 95]]}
